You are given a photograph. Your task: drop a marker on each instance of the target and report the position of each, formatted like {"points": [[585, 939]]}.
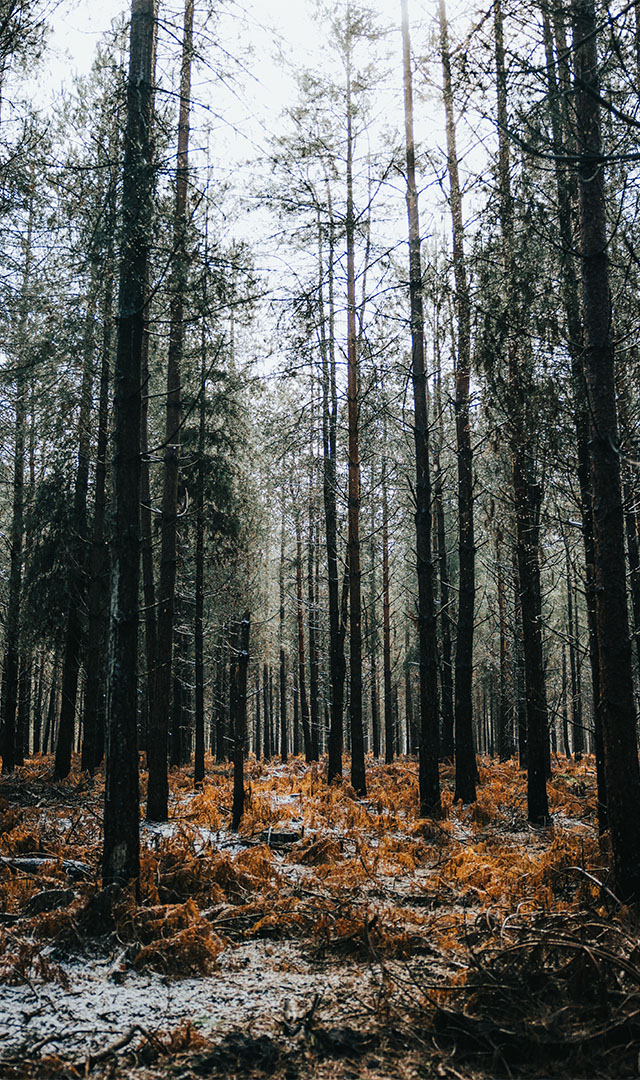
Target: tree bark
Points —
{"points": [[9, 694], [358, 779], [466, 768], [198, 769], [559, 90], [386, 616], [527, 493], [158, 791], [616, 683], [121, 855], [429, 780], [302, 679], [239, 720], [78, 584], [97, 601]]}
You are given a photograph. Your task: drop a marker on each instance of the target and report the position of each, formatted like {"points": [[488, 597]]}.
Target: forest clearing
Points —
{"points": [[331, 936]]}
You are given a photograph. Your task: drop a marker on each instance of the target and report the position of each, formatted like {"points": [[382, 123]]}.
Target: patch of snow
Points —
{"points": [[255, 983]]}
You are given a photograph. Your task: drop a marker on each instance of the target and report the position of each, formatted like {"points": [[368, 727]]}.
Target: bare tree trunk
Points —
{"points": [[121, 856], [158, 791], [429, 781], [527, 492], [559, 89], [198, 768], [386, 616], [78, 585], [337, 666], [373, 632], [444, 615], [97, 602], [239, 719], [302, 679], [9, 694], [314, 704], [576, 711], [358, 779], [466, 768], [616, 681]]}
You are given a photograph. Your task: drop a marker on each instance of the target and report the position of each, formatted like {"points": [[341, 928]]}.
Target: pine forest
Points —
{"points": [[320, 523]]}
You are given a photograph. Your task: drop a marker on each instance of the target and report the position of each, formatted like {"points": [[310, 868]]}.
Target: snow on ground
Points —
{"points": [[256, 986]]}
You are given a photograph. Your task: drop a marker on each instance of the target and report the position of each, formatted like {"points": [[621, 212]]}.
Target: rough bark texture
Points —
{"points": [[614, 646], [198, 770], [429, 780], [358, 779], [302, 678], [158, 793], [78, 583], [386, 620], [559, 88], [9, 699], [97, 602], [527, 493], [239, 719], [337, 665], [121, 856], [466, 768]]}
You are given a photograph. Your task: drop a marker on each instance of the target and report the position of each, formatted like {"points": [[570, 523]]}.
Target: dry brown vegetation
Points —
{"points": [[491, 949]]}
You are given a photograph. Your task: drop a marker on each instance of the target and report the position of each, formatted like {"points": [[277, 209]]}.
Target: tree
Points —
{"points": [[465, 757], [430, 804], [121, 854], [616, 682], [158, 793]]}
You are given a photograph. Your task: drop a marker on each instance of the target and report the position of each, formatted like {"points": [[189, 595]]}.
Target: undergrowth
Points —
{"points": [[346, 877]]}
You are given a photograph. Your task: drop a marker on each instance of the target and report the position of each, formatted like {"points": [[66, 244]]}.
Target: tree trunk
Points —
{"points": [[444, 615], [337, 666], [429, 780], [158, 792], [198, 768], [386, 616], [284, 735], [239, 720], [314, 688], [466, 768], [97, 601], [358, 779], [614, 646], [559, 89], [527, 494], [9, 693], [121, 856], [302, 679], [78, 584]]}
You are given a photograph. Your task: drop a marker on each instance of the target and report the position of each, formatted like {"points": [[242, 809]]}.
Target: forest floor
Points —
{"points": [[332, 937]]}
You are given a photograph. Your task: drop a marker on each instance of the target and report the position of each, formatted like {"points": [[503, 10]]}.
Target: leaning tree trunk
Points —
{"points": [[429, 780], [121, 855], [158, 792], [616, 681]]}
